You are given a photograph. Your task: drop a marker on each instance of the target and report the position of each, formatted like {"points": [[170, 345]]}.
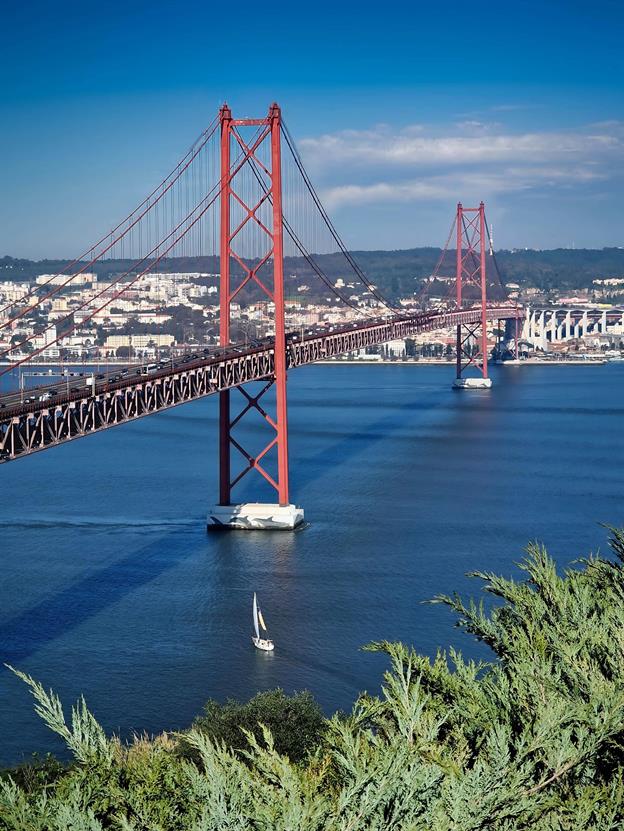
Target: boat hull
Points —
{"points": [[263, 644]]}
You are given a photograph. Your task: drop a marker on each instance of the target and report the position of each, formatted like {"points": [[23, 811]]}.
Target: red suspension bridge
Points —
{"points": [[242, 197]]}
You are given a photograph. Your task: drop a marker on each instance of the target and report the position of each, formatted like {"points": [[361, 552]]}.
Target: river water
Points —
{"points": [[111, 586]]}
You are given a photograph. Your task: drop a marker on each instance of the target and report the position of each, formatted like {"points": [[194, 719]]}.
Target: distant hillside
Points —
{"points": [[396, 273]]}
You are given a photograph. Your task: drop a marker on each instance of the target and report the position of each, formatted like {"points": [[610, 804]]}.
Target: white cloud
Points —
{"points": [[384, 192], [385, 165], [478, 185], [379, 147]]}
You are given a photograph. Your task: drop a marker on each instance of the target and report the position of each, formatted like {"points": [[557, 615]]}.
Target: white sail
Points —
{"points": [[255, 616], [261, 620]]}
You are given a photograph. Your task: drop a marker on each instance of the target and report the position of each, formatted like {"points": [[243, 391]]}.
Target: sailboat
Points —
{"points": [[265, 644]]}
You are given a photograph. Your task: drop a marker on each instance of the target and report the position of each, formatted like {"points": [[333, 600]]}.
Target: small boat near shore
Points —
{"points": [[265, 644]]}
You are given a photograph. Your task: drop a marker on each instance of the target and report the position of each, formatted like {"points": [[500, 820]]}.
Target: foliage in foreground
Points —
{"points": [[296, 723], [533, 740]]}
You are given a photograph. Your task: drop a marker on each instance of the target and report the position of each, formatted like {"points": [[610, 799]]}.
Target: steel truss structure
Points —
{"points": [[33, 426], [470, 271], [271, 285]]}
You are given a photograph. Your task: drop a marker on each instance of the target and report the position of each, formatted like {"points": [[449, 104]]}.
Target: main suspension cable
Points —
{"points": [[116, 295], [499, 275], [218, 187], [299, 244], [182, 166], [329, 223]]}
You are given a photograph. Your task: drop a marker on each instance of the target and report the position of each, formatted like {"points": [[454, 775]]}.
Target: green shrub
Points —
{"points": [[36, 773], [296, 722]]}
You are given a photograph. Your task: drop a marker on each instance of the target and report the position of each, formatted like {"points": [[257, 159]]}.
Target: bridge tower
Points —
{"points": [[262, 213], [471, 345]]}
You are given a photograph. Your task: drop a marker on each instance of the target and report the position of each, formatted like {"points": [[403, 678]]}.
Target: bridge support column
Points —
{"points": [[267, 272], [528, 330], [471, 340], [553, 327], [542, 331]]}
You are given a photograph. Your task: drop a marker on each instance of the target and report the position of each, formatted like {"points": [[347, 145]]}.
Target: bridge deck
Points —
{"points": [[28, 427]]}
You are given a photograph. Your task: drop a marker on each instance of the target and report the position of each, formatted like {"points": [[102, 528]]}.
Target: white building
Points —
{"points": [[138, 341], [83, 279]]}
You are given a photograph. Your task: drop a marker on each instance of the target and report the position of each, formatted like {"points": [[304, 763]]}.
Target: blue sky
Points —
{"points": [[399, 110]]}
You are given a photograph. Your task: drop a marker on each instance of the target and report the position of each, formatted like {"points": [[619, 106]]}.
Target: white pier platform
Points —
{"points": [[472, 383], [255, 516]]}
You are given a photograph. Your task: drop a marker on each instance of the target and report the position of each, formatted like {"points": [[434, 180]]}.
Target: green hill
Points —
{"points": [[396, 273]]}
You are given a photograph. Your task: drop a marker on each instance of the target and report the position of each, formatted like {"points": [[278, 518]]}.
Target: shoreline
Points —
{"points": [[430, 362], [115, 362]]}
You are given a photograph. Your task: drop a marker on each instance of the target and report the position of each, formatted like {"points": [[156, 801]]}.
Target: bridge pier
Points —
{"points": [[255, 516], [472, 383]]}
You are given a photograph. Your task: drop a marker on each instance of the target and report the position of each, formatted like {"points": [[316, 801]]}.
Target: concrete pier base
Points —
{"points": [[472, 383], [255, 516]]}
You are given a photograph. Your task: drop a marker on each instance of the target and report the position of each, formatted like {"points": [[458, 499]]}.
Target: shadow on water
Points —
{"points": [[355, 442], [33, 628]]}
